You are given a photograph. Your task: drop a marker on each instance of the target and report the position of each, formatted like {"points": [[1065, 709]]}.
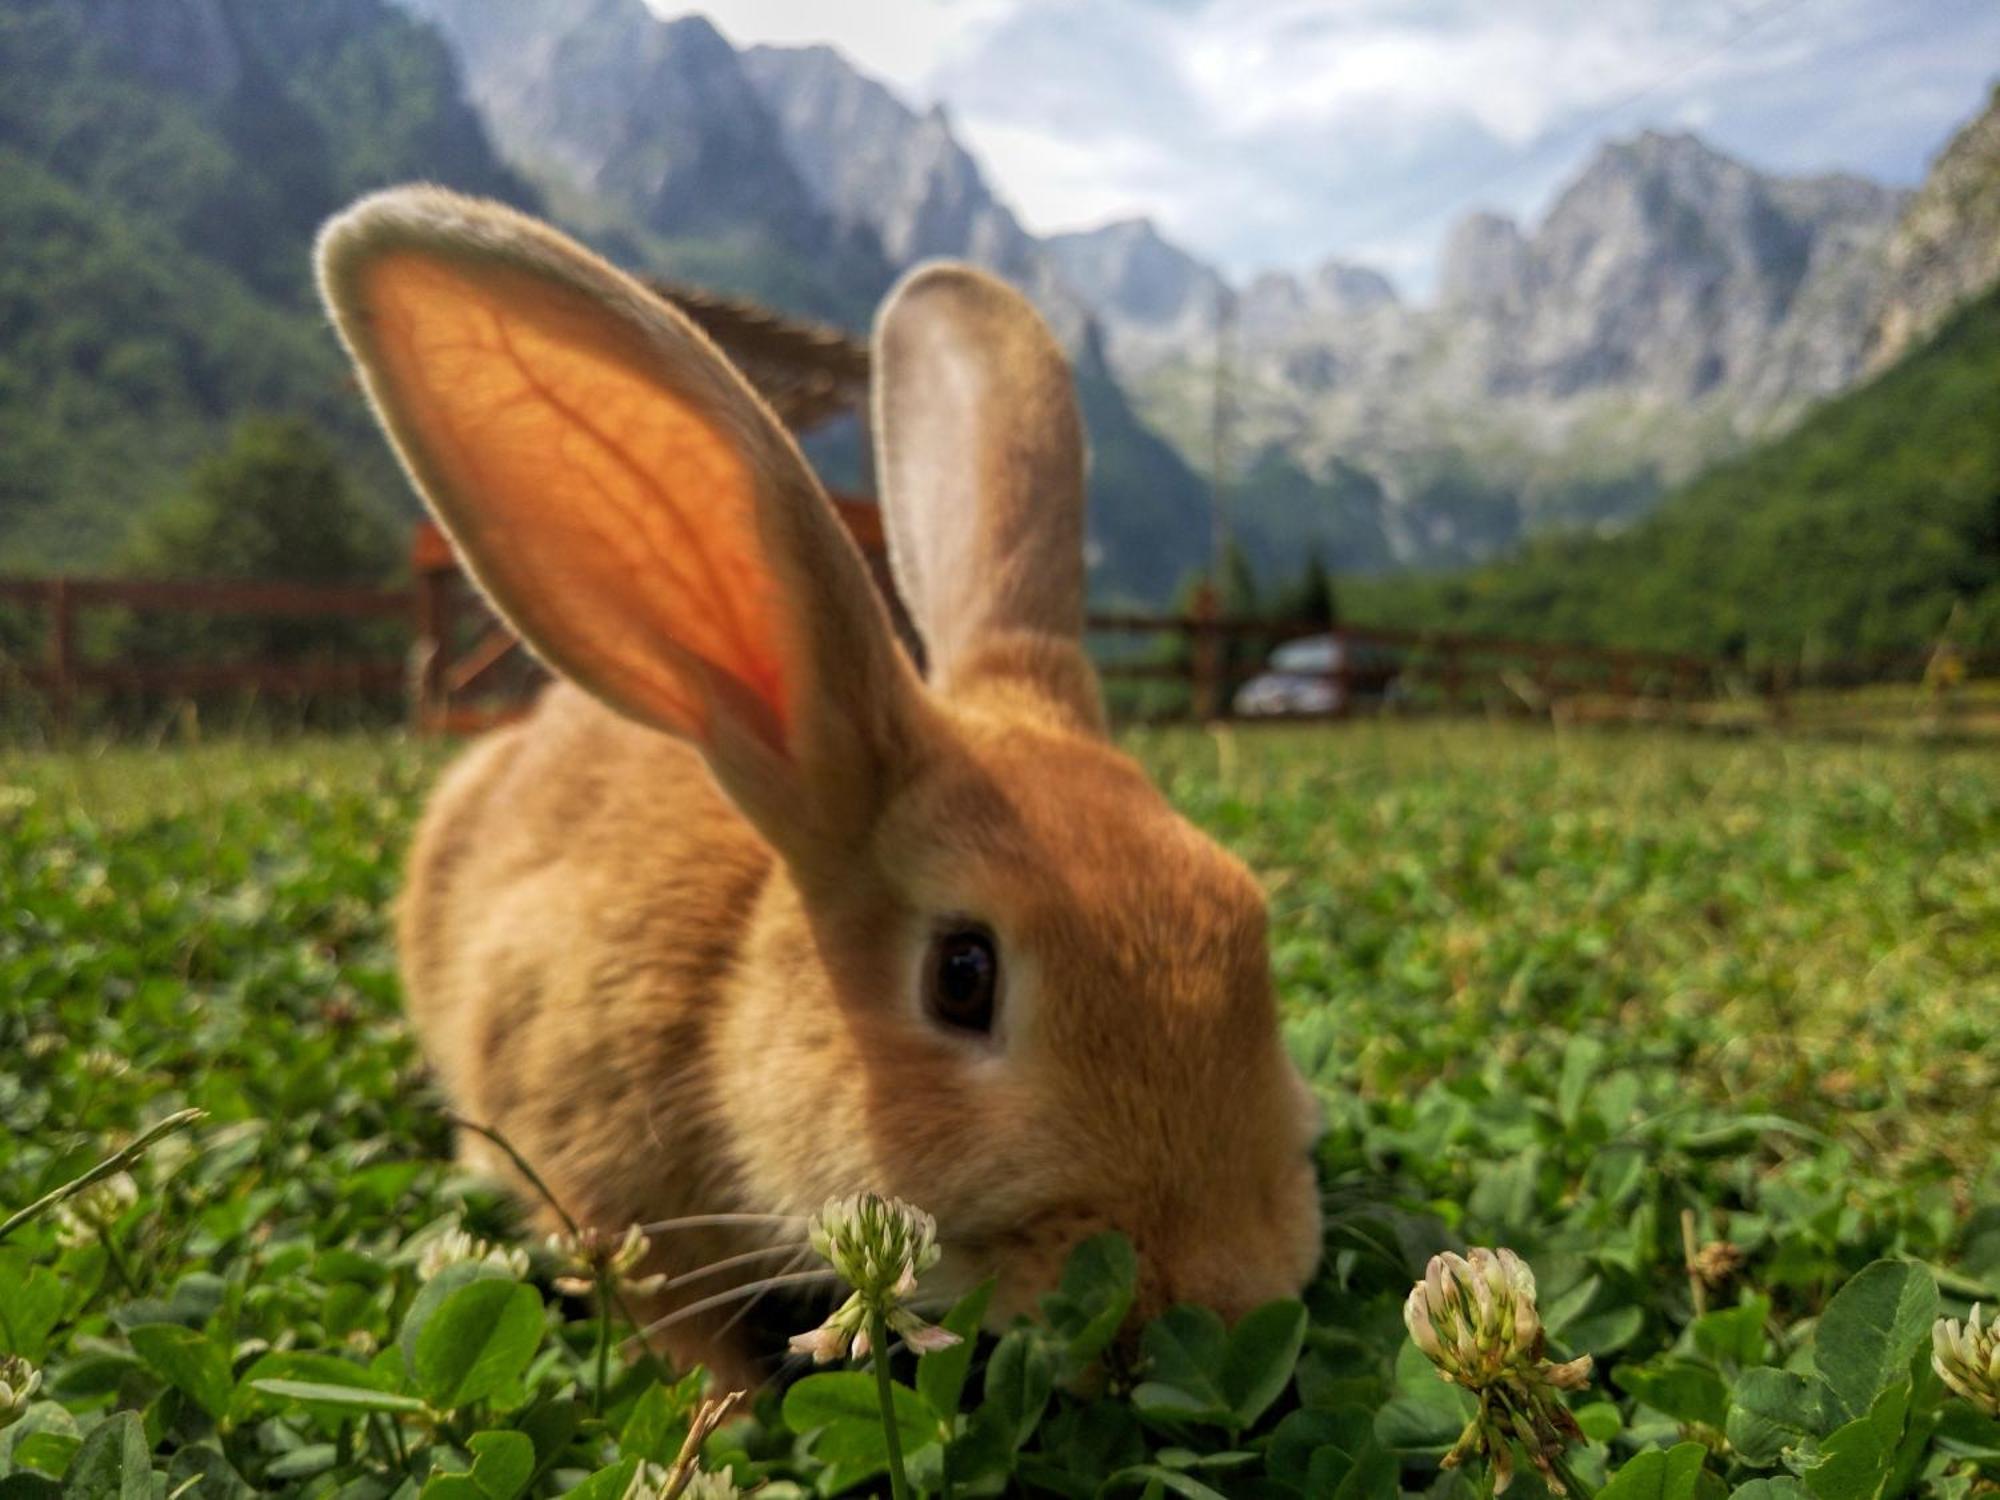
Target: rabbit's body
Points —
{"points": [[578, 900], [576, 906], [836, 928]]}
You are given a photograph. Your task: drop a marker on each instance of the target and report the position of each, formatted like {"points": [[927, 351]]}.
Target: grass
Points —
{"points": [[1602, 998]]}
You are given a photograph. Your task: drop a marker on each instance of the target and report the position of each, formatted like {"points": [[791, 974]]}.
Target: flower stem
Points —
{"points": [[104, 1238], [892, 1438], [1577, 1488], [1691, 1253], [604, 1288], [116, 1162]]}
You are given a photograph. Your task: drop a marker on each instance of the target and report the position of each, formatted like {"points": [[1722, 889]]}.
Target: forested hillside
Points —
{"points": [[166, 163], [1873, 526]]}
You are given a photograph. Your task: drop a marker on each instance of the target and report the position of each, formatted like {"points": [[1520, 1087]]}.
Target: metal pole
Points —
{"points": [[1219, 416]]}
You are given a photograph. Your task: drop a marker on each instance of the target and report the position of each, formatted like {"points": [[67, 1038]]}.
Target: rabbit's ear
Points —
{"points": [[625, 499], [979, 452]]}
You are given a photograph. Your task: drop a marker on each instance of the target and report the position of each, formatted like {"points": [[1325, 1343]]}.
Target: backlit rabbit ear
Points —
{"points": [[626, 500], [979, 452]]}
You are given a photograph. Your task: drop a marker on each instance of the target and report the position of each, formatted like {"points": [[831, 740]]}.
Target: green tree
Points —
{"points": [[275, 503], [1310, 600]]}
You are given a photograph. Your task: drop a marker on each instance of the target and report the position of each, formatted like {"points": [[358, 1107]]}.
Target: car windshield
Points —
{"points": [[1316, 653]]}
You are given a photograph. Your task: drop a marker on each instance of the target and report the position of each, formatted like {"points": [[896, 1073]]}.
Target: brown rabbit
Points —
{"points": [[747, 914]]}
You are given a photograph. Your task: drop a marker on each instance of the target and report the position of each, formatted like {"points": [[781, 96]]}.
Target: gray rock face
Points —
{"points": [[1672, 271], [1672, 302], [882, 170], [877, 165], [1126, 273], [1345, 289], [658, 116], [1487, 269], [1947, 248]]}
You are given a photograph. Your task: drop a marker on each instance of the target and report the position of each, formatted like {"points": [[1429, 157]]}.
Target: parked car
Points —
{"points": [[1306, 677]]}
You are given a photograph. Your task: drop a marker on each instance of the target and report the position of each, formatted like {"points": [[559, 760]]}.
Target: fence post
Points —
{"points": [[1454, 678], [62, 657], [433, 598], [1205, 657], [1778, 696], [1343, 673], [1686, 683]]}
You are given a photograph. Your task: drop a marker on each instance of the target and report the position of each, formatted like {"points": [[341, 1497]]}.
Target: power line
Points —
{"points": [[1749, 20]]}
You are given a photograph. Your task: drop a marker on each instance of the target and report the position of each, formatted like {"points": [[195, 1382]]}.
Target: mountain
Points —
{"points": [[793, 177], [1145, 289], [1148, 511], [898, 178], [173, 156], [1947, 248], [1871, 526], [166, 162], [880, 168], [649, 137], [1668, 271], [1673, 304]]}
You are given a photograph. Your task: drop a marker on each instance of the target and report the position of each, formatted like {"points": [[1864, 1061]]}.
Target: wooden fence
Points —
{"points": [[64, 672], [463, 670]]}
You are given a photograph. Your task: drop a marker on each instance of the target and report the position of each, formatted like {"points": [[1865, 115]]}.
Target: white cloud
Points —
{"points": [[902, 42], [1279, 132]]}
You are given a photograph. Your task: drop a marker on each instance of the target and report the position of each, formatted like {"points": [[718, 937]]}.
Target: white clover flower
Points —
{"points": [[591, 1254], [102, 1062], [42, 1044], [19, 1381], [649, 1482], [875, 1243], [879, 1246], [82, 1218], [456, 1247], [1967, 1359], [706, 1485], [1475, 1318], [652, 1481], [685, 1477]]}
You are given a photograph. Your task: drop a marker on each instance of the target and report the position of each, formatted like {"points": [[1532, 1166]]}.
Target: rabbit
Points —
{"points": [[749, 912]]}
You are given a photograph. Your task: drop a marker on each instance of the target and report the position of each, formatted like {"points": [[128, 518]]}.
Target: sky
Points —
{"points": [[1282, 133]]}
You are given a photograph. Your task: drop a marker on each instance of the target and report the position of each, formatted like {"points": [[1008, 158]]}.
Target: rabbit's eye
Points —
{"points": [[962, 978]]}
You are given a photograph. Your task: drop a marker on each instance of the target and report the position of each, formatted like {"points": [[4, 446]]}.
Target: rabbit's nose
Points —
{"points": [[1165, 1282], [1229, 1277]]}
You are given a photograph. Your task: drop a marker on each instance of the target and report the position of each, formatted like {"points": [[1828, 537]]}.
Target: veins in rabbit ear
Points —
{"points": [[962, 976]]}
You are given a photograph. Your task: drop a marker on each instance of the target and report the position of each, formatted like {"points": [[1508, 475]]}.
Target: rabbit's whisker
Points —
{"points": [[711, 1221], [748, 1289], [804, 1254], [730, 1262]]}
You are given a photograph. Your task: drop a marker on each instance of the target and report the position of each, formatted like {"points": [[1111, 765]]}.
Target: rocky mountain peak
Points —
{"points": [[1348, 289], [657, 115], [1947, 247], [1669, 269], [1129, 271], [878, 166], [1487, 266]]}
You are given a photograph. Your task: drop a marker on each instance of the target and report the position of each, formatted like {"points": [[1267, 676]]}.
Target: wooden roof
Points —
{"points": [[809, 372]]}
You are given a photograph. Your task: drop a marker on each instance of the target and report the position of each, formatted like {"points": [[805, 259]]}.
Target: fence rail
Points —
{"points": [[464, 670], [64, 674]]}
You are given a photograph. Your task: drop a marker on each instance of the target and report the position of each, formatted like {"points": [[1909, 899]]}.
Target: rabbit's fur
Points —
{"points": [[669, 934]]}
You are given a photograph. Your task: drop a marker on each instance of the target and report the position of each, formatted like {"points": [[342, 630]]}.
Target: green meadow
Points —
{"points": [[1708, 1032]]}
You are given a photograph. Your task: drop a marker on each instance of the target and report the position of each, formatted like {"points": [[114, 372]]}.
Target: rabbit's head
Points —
{"points": [[1054, 993]]}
